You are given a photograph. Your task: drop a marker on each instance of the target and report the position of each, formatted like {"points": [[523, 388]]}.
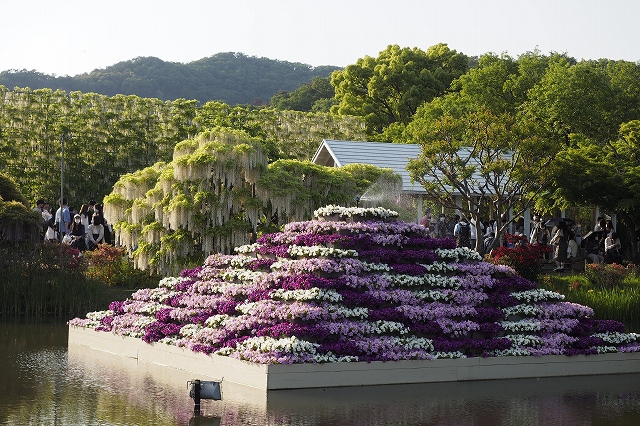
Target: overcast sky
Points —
{"points": [[69, 37]]}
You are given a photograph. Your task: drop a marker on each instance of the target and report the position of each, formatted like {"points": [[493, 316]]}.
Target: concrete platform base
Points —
{"points": [[299, 376]]}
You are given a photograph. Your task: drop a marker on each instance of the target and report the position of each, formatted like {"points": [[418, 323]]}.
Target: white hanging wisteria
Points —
{"points": [[165, 212], [212, 196]]}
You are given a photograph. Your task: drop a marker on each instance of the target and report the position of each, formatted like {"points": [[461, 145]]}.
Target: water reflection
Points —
{"points": [[41, 382]]}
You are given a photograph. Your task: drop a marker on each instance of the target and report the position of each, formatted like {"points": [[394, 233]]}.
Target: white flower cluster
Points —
{"points": [[537, 295], [314, 293], [375, 267], [291, 345], [159, 294], [216, 321], [84, 323], [412, 342], [247, 248], [606, 349], [426, 280], [434, 295], [511, 352], [170, 282], [169, 340], [523, 339], [375, 212], [617, 338], [458, 254], [320, 251], [98, 315], [240, 274], [528, 310], [335, 312], [520, 326], [150, 308], [436, 267], [138, 326], [190, 330], [330, 357], [382, 327], [241, 261], [449, 355]]}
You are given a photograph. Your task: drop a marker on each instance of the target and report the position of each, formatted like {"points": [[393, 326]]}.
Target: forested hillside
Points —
{"points": [[233, 78]]}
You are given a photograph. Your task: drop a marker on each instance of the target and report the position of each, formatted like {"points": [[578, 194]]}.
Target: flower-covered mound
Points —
{"points": [[376, 290]]}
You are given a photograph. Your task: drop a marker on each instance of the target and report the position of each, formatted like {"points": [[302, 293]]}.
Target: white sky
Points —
{"points": [[69, 37]]}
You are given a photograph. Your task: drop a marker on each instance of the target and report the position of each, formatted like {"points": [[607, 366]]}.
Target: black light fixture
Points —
{"points": [[200, 389]]}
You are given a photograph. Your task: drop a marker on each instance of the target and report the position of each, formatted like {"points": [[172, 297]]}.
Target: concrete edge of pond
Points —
{"points": [[302, 376]]}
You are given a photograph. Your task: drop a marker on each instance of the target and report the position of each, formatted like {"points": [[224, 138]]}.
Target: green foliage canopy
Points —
{"points": [[391, 87], [479, 158]]}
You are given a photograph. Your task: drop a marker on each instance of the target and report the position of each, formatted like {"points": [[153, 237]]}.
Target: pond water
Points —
{"points": [[43, 382]]}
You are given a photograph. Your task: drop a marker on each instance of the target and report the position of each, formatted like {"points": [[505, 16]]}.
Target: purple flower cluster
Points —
{"points": [[404, 296]]}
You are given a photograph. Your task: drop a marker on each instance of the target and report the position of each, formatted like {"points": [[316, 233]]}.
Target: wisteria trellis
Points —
{"points": [[356, 285]]}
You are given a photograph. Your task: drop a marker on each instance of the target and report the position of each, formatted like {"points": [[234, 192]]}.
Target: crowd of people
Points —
{"points": [[82, 229], [564, 238], [464, 231]]}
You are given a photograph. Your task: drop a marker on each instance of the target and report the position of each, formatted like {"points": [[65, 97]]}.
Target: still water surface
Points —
{"points": [[42, 382]]}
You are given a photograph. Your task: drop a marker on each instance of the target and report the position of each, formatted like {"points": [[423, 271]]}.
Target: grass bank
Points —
{"points": [[620, 302]]}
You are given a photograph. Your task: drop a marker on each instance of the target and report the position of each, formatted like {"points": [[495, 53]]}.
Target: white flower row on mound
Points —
{"points": [[619, 338], [550, 310], [190, 330], [240, 274], [526, 310], [302, 311], [372, 228], [449, 355], [149, 307], [516, 351], [171, 282], [296, 346], [217, 321], [376, 212], [521, 326], [314, 293], [98, 315], [537, 295], [458, 254], [440, 267], [159, 294], [402, 280], [247, 248], [524, 339], [265, 344], [606, 349], [363, 328], [320, 251]]}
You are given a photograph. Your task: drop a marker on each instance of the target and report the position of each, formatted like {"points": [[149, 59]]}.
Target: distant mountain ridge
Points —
{"points": [[233, 78]]}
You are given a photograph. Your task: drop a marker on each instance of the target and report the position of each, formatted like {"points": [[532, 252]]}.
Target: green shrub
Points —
{"points": [[110, 265], [606, 275]]}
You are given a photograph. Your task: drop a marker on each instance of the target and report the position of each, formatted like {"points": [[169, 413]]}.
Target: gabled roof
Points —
{"points": [[394, 156]]}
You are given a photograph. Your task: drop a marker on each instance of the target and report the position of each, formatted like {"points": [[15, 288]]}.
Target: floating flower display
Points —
{"points": [[342, 290]]}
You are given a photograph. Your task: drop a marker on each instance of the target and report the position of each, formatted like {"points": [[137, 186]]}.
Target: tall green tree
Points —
{"points": [[390, 88], [475, 158], [574, 99], [592, 174]]}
